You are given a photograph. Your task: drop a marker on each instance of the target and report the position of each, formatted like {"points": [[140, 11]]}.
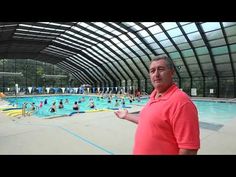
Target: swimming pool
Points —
{"points": [[215, 111], [44, 111], [209, 111]]}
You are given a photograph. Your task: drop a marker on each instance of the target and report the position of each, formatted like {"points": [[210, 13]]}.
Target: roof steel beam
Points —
{"points": [[199, 27]]}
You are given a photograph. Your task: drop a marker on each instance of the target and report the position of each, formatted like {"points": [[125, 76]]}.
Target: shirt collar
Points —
{"points": [[166, 94]]}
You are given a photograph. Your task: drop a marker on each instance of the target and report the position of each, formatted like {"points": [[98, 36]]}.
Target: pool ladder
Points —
{"points": [[24, 113]]}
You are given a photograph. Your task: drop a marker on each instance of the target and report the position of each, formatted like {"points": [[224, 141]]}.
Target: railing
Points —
{"points": [[28, 113]]}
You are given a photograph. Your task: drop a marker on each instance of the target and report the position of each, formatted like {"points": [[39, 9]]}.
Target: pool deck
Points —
{"points": [[95, 133]]}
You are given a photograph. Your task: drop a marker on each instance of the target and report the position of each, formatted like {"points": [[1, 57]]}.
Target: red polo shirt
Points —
{"points": [[167, 124]]}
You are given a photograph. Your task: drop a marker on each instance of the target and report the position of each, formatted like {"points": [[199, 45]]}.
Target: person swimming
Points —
{"points": [[53, 107], [91, 104], [117, 103], [61, 105], [41, 104], [46, 101], [32, 108], [76, 106], [67, 101], [109, 100]]}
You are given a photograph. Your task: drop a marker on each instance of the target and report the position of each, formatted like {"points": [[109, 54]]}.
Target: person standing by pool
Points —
{"points": [[168, 123]]}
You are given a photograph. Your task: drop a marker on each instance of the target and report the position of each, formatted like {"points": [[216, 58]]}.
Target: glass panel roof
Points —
{"points": [[183, 46], [190, 28], [194, 36], [214, 35], [155, 29], [219, 50], [210, 26], [201, 50], [188, 53], [179, 40], [218, 42], [169, 25], [174, 32], [233, 48], [110, 45], [230, 31], [175, 55], [160, 36], [148, 24], [143, 33], [229, 23]]}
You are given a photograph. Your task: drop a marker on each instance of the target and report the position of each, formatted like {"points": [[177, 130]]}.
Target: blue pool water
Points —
{"points": [[209, 111], [215, 112], [68, 107]]}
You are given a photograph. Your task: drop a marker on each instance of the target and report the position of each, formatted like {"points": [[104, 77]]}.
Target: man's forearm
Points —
{"points": [[132, 118]]}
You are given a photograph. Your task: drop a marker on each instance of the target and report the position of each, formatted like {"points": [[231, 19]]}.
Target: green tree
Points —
{"points": [[40, 71]]}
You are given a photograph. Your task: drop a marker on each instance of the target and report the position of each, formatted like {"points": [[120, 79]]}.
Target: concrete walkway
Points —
{"points": [[94, 133], [220, 141], [86, 133]]}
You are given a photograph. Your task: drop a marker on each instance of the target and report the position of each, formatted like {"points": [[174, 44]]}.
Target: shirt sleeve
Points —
{"points": [[185, 125]]}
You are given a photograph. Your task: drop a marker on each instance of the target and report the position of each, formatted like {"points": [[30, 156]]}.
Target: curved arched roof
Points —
{"points": [[111, 52]]}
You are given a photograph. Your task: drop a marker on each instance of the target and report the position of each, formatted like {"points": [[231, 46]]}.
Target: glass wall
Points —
{"points": [[32, 75], [227, 87]]}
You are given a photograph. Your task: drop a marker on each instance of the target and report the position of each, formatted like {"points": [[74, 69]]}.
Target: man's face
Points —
{"points": [[160, 75]]}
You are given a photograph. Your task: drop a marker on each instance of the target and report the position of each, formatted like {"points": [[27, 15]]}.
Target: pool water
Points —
{"points": [[44, 111], [215, 112], [209, 111]]}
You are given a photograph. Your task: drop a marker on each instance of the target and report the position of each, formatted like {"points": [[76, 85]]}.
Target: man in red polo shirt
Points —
{"points": [[168, 124]]}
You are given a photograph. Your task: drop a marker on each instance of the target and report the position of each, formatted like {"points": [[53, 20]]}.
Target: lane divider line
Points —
{"points": [[73, 134]]}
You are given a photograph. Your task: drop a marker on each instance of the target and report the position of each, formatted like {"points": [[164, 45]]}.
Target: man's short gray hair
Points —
{"points": [[169, 61]]}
